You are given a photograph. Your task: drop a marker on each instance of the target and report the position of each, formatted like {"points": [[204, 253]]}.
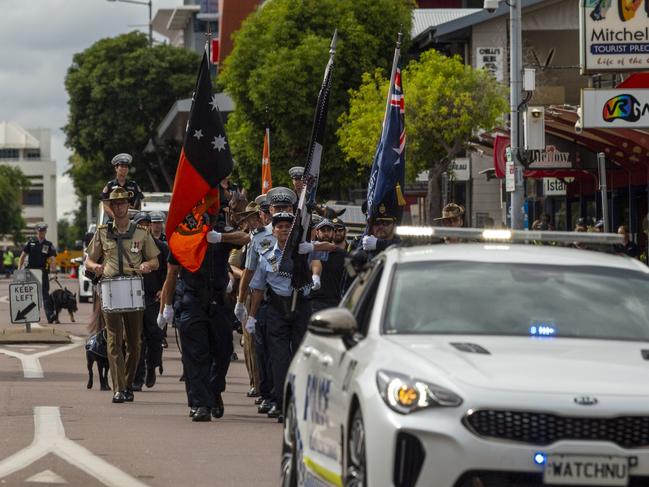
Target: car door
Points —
{"points": [[328, 392]]}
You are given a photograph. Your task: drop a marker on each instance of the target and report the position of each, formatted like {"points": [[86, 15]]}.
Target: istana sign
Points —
{"points": [[614, 35], [550, 158], [615, 108]]}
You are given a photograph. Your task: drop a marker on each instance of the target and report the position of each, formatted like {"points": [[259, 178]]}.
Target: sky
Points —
{"points": [[38, 39]]}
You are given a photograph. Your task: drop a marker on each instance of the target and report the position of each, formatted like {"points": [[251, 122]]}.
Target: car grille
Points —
{"points": [[483, 478], [544, 429], [408, 460]]}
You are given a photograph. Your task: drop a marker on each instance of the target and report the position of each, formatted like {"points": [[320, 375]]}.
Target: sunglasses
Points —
{"points": [[383, 223]]}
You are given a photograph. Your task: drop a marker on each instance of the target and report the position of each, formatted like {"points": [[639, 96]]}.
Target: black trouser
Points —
{"points": [[284, 337], [262, 356], [320, 304], [48, 306], [206, 341], [151, 351]]}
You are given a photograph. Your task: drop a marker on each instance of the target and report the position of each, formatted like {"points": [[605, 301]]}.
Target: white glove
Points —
{"points": [[305, 248], [250, 324], [369, 242], [316, 282], [168, 313], [214, 237], [161, 321], [230, 286], [240, 312]]}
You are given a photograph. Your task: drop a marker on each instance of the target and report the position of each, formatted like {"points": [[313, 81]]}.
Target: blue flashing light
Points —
{"points": [[540, 458], [542, 330]]}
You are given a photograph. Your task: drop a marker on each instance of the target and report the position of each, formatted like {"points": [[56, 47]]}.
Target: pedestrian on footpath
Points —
{"points": [[125, 249], [41, 254], [203, 321]]}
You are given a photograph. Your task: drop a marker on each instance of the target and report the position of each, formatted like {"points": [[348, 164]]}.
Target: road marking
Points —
{"points": [[47, 477], [31, 346], [4, 299], [31, 362], [49, 437]]}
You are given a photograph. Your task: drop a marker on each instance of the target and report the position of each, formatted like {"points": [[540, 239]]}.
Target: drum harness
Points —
{"points": [[119, 237]]}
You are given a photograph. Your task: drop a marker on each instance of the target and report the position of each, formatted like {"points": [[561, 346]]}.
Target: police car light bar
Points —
{"points": [[504, 235]]}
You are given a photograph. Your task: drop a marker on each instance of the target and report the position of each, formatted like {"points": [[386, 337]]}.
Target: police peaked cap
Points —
{"points": [[142, 216], [315, 220], [281, 196], [41, 226], [325, 223], [296, 172], [122, 158], [282, 217], [338, 223], [157, 216], [262, 201]]}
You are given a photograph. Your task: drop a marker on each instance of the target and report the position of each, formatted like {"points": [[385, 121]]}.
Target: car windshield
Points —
{"points": [[518, 299]]}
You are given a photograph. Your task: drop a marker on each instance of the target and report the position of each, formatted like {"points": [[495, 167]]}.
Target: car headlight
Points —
{"points": [[405, 394]]}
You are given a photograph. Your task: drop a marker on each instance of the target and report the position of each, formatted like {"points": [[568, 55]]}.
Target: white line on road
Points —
{"points": [[31, 362], [4, 299], [49, 437]]}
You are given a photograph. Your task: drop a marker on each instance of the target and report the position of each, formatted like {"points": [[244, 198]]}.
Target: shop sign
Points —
{"points": [[615, 108], [550, 158], [614, 35], [461, 168], [491, 59], [553, 187]]}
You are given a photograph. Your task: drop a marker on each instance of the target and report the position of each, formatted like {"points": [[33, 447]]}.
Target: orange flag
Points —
{"points": [[266, 178]]}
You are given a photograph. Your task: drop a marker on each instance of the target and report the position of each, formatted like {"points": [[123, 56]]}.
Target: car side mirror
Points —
{"points": [[334, 322]]}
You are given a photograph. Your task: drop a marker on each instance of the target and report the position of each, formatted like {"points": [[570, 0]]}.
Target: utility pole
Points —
{"points": [[148, 3], [515, 88]]}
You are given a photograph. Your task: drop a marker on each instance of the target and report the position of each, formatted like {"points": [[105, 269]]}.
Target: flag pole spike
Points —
{"points": [[208, 38], [334, 41]]}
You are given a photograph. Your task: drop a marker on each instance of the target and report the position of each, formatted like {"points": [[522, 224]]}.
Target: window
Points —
{"points": [[33, 153], [361, 296], [33, 197], [9, 153]]}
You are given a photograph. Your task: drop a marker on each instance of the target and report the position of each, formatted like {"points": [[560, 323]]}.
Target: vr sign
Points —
{"points": [[554, 187], [615, 108]]}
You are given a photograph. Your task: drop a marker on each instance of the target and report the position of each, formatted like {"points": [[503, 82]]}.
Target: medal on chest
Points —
{"points": [[136, 246]]}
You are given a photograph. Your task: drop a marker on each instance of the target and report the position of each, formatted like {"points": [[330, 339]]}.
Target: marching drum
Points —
{"points": [[121, 294]]}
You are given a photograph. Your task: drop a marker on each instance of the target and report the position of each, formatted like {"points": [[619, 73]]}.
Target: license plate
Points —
{"points": [[586, 470]]}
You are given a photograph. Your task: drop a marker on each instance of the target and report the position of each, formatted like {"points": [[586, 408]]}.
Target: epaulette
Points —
{"points": [[143, 227], [102, 227]]}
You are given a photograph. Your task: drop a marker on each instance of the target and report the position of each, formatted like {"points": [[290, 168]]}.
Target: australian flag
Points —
{"points": [[389, 168]]}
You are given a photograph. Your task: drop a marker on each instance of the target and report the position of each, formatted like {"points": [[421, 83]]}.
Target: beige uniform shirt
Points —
{"points": [[139, 248]]}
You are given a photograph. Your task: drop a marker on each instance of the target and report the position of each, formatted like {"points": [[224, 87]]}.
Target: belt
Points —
{"points": [[282, 304]]}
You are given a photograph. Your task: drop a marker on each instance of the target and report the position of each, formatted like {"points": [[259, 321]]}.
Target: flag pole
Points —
{"points": [[393, 73]]}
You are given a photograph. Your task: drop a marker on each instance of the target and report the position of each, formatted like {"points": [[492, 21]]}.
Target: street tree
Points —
{"points": [[120, 89], [446, 103], [275, 71], [12, 184]]}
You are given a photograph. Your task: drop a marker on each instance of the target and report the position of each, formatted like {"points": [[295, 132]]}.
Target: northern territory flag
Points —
{"points": [[266, 176], [205, 160]]}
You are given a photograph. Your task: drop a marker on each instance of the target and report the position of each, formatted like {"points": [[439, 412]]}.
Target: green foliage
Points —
{"points": [[69, 234], [12, 184], [120, 89], [278, 62], [446, 102]]}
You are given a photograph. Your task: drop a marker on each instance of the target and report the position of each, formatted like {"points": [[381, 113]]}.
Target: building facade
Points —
{"points": [[29, 150]]}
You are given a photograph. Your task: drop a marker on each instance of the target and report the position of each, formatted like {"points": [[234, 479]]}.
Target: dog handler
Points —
{"points": [[127, 249]]}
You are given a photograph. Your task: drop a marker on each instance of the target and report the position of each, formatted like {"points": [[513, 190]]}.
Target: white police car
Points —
{"points": [[476, 365]]}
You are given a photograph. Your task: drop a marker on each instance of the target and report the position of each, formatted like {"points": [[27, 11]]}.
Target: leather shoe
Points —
{"points": [[150, 377], [128, 395], [274, 412], [137, 387], [252, 392], [259, 400], [219, 409], [192, 411], [264, 407], [118, 397], [202, 414]]}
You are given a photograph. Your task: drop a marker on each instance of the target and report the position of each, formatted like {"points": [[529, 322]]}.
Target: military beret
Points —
{"points": [[282, 216], [122, 158], [325, 223], [296, 172], [281, 196]]}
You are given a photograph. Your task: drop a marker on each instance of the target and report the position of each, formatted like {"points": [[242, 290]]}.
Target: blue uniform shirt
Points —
{"points": [[267, 273], [262, 242]]}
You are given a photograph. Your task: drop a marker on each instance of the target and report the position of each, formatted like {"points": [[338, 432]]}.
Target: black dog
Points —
{"points": [[96, 351], [64, 299]]}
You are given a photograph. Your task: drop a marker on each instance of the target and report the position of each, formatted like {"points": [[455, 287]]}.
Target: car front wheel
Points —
{"points": [[356, 461], [290, 449]]}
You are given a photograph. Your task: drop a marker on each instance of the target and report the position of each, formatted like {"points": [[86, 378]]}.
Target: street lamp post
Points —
{"points": [[148, 3], [515, 89]]}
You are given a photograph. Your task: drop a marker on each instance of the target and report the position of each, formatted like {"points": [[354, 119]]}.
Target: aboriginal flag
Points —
{"points": [[205, 160]]}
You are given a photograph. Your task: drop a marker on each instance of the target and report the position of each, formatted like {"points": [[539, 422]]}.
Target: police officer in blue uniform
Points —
{"points": [[121, 163], [203, 323], [41, 255], [152, 334], [285, 327]]}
